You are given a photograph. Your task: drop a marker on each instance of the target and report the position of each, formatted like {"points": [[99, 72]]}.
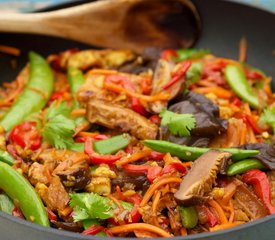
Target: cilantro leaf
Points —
{"points": [[268, 117], [58, 128], [178, 124], [90, 206]]}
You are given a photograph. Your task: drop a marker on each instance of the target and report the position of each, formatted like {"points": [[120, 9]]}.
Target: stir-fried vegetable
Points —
{"points": [[112, 143]]}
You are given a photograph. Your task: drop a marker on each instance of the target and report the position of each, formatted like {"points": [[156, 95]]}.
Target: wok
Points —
{"points": [[224, 24]]}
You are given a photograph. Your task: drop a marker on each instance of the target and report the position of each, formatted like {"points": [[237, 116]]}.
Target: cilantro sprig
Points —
{"points": [[58, 128], [268, 117], [178, 124], [92, 206]]}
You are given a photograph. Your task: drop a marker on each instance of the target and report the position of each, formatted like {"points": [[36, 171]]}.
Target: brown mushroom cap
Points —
{"points": [[200, 179]]}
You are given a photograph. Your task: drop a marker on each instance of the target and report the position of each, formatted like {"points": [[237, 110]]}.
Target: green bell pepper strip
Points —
{"points": [[76, 79], [192, 153], [189, 217], [112, 145], [22, 192], [243, 166], [35, 95], [6, 157], [236, 78], [6, 204]]}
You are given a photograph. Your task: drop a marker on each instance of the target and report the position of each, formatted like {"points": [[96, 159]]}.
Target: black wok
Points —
{"points": [[224, 23]]}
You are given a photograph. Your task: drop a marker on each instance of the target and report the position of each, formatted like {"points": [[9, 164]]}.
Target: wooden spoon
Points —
{"points": [[132, 24]]}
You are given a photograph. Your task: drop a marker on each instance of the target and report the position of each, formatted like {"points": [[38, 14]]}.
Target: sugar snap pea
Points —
{"points": [[35, 95], [243, 166], [189, 217], [112, 145], [6, 157], [20, 191], [192, 153], [236, 78], [6, 204], [76, 79]]}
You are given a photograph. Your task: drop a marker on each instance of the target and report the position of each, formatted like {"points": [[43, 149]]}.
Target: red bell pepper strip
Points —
{"points": [[26, 134], [254, 75], [179, 74], [253, 124], [127, 84], [152, 171], [55, 96], [51, 215], [157, 156], [169, 54], [155, 119], [212, 219], [96, 158], [261, 186], [93, 230], [146, 85], [236, 102]]}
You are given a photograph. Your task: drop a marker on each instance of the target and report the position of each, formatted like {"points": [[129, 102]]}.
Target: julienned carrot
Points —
{"points": [[155, 207], [87, 134], [229, 191], [218, 91], [139, 226], [243, 50], [219, 210], [156, 185], [10, 50], [101, 71], [116, 201], [134, 157], [224, 226], [118, 89], [78, 112], [232, 212]]}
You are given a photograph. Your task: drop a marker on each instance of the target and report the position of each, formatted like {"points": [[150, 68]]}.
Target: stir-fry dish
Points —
{"points": [[111, 143]]}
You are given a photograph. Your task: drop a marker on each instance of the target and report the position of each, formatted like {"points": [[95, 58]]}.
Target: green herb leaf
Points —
{"points": [[184, 54], [268, 117], [193, 74], [178, 124], [90, 206], [58, 128]]}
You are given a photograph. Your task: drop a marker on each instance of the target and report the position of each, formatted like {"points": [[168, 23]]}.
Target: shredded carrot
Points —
{"points": [[66, 211], [101, 71], [218, 91], [232, 212], [139, 226], [243, 134], [183, 231], [78, 112], [243, 49], [10, 50], [134, 157], [87, 134], [187, 164], [219, 210], [155, 207], [156, 185], [43, 94], [252, 137], [229, 191], [118, 89], [224, 226], [81, 127], [116, 202]]}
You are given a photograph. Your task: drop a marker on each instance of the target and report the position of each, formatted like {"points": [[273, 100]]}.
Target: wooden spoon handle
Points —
{"points": [[91, 23]]}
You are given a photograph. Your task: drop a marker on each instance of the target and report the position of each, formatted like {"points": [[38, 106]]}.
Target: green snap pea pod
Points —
{"points": [[6, 157], [243, 166], [189, 217], [35, 95], [192, 153], [21, 192], [112, 145], [6, 204], [76, 79], [236, 78]]}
